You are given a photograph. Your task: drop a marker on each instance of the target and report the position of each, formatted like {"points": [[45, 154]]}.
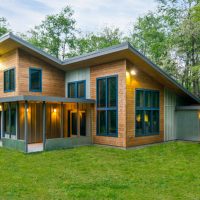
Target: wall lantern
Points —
{"points": [[127, 74], [133, 72], [0, 107], [54, 110], [199, 115], [27, 110]]}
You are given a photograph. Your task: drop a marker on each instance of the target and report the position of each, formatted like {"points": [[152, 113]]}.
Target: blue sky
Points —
{"points": [[90, 15]]}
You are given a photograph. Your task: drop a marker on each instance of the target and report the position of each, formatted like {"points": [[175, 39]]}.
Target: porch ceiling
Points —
{"points": [[46, 99]]}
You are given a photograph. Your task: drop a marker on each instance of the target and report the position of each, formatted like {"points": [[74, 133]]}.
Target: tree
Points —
{"points": [[55, 34], [95, 41], [4, 27]]}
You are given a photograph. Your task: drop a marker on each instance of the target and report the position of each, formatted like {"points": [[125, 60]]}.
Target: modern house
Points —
{"points": [[115, 96]]}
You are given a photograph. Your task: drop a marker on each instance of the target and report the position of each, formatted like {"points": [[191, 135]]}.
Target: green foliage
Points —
{"points": [[55, 34], [4, 27], [95, 41]]}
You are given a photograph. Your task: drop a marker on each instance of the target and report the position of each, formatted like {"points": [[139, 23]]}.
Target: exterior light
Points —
{"points": [[199, 115], [27, 110], [54, 110], [133, 72], [0, 107], [127, 73]]}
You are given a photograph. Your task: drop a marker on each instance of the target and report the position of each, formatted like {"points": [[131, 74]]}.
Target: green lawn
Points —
{"points": [[164, 171]]}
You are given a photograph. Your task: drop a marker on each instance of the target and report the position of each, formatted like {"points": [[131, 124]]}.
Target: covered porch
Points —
{"points": [[38, 123]]}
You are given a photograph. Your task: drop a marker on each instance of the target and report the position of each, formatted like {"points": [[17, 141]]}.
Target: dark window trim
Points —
{"points": [[107, 108], [147, 108], [32, 90], [76, 88], [5, 91]]}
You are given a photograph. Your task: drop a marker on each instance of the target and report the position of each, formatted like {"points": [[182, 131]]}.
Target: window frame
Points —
{"points": [[76, 88], [8, 70], [35, 90], [144, 108], [106, 108]]}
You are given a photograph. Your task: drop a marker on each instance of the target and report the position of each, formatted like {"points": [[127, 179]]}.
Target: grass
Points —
{"points": [[164, 171]]}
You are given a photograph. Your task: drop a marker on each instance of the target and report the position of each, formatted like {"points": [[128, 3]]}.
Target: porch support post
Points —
{"points": [[44, 124], [61, 121], [9, 121], [2, 121], [26, 126], [78, 120], [17, 120]]}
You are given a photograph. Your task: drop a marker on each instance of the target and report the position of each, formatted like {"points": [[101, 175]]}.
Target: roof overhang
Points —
{"points": [[125, 51], [45, 99]]}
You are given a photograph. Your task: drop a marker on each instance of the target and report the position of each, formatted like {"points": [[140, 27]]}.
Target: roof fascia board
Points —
{"points": [[133, 50]]}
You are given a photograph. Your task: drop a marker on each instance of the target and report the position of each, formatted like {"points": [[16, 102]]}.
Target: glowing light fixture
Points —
{"points": [[54, 110], [133, 72], [127, 74], [0, 107], [27, 110], [199, 115]]}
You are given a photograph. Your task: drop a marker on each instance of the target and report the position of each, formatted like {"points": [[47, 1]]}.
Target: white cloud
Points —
{"points": [[90, 15]]}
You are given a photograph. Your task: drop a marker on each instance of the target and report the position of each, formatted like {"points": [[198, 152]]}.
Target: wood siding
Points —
{"points": [[8, 61], [78, 75], [141, 81], [53, 79], [115, 68]]}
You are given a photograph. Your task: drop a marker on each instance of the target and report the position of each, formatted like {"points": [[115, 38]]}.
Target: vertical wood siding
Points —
{"points": [[170, 99], [78, 75]]}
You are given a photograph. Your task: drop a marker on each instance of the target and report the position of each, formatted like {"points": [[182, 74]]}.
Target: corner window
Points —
{"points": [[147, 112], [35, 79], [107, 117], [76, 89], [9, 80]]}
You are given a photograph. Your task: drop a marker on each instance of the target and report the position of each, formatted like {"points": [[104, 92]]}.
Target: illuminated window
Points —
{"points": [[147, 112]]}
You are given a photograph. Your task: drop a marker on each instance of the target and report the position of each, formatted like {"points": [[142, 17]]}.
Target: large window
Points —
{"points": [[9, 80], [107, 116], [147, 112], [35, 80], [76, 89]]}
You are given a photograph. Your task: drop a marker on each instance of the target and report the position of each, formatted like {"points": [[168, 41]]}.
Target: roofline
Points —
{"points": [[161, 71], [108, 50], [46, 99], [188, 108], [29, 46]]}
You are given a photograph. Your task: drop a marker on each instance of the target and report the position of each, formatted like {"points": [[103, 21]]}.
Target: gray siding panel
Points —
{"points": [[78, 75], [170, 101], [188, 125]]}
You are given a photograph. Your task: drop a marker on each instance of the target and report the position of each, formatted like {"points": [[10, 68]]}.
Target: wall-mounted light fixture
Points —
{"points": [[199, 115], [0, 107], [127, 73], [54, 110], [133, 72], [27, 110]]}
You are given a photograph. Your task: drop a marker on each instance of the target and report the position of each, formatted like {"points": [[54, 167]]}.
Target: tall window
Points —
{"points": [[76, 89], [147, 112], [9, 80], [107, 94], [35, 80]]}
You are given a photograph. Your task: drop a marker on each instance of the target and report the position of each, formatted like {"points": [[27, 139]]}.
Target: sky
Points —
{"points": [[91, 15]]}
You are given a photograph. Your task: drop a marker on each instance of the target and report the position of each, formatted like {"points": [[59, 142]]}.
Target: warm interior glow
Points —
{"points": [[27, 110], [54, 110], [133, 72], [127, 74], [0, 107]]}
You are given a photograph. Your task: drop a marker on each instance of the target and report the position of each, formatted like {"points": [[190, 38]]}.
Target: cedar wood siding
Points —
{"points": [[114, 68], [143, 81], [53, 79], [8, 61]]}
